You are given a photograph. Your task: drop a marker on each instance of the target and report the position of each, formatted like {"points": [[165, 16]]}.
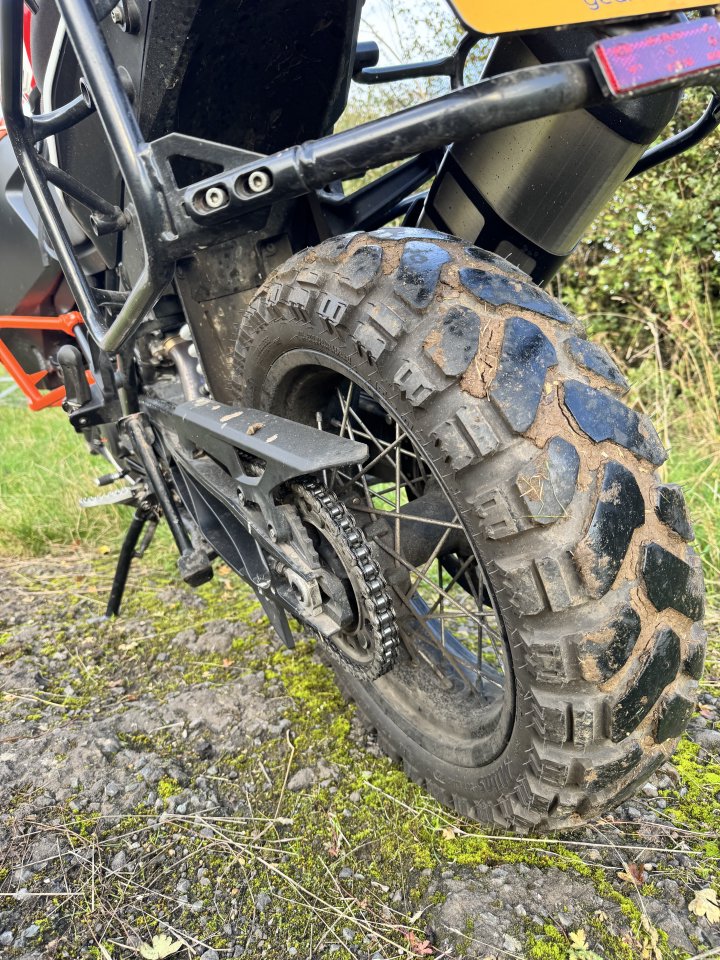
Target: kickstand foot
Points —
{"points": [[128, 553]]}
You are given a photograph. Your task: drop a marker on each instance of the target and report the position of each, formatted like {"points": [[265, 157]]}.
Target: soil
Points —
{"points": [[177, 773]]}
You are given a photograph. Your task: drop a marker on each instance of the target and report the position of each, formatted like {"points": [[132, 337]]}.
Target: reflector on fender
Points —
{"points": [[660, 56], [490, 17]]}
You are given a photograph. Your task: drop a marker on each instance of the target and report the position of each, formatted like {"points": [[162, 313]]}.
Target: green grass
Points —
{"points": [[44, 469]]}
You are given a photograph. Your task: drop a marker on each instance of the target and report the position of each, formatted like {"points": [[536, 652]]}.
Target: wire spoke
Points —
{"points": [[437, 608], [433, 557], [401, 560], [426, 521], [365, 470]]}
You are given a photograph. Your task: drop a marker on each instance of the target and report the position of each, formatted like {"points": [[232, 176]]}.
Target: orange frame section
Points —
{"points": [[28, 382]]}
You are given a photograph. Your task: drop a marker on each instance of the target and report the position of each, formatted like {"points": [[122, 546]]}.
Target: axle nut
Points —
{"points": [[215, 197]]}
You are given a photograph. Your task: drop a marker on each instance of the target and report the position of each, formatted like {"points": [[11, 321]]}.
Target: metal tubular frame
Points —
{"points": [[169, 223], [67, 323]]}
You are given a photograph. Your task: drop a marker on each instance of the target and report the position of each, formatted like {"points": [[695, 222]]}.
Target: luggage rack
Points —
{"points": [[169, 222]]}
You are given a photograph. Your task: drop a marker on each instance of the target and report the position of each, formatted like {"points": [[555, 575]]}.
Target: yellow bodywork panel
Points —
{"points": [[507, 16]]}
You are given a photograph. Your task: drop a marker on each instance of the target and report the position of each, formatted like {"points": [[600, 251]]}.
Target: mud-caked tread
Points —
{"points": [[602, 416], [593, 358], [671, 508], [619, 512], [673, 582], [548, 484], [519, 382], [522, 420]]}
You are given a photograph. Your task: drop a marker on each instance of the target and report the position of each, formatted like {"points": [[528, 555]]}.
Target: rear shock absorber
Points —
{"points": [[530, 192]]}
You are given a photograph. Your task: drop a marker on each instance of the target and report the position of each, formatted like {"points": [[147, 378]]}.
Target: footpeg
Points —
{"points": [[122, 495]]}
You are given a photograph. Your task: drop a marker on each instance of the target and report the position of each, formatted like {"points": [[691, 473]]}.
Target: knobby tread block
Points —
{"points": [[591, 356], [620, 511], [559, 582], [653, 673], [363, 267], [695, 660], [500, 291], [672, 583], [673, 718], [603, 417], [411, 233], [601, 774], [466, 437], [548, 485], [415, 385], [417, 278], [455, 345], [493, 260], [525, 359], [603, 654], [671, 508]]}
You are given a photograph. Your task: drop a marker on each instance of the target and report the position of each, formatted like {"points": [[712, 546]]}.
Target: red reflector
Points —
{"points": [[659, 56]]}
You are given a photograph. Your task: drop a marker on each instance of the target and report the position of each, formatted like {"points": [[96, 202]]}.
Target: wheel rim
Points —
{"points": [[456, 675]]}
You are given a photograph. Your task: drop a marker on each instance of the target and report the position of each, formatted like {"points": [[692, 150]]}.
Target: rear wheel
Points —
{"points": [[547, 601]]}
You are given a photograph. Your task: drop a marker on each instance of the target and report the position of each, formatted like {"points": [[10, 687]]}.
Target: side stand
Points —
{"points": [[143, 518]]}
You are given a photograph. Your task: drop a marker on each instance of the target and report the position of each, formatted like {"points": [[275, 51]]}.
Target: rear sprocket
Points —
{"points": [[368, 642]]}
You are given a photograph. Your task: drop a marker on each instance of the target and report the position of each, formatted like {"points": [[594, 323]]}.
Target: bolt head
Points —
{"points": [[216, 197], [117, 16], [259, 181]]}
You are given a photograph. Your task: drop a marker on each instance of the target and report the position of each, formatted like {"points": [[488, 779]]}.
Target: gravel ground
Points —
{"points": [[177, 774]]}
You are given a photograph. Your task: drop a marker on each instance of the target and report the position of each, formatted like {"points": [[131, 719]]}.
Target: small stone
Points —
{"points": [[649, 790], [205, 882], [302, 780], [183, 886], [511, 945], [30, 932], [263, 901], [204, 749], [355, 797], [520, 910], [108, 747], [348, 934], [210, 955], [6, 938], [118, 861], [709, 740], [345, 874]]}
